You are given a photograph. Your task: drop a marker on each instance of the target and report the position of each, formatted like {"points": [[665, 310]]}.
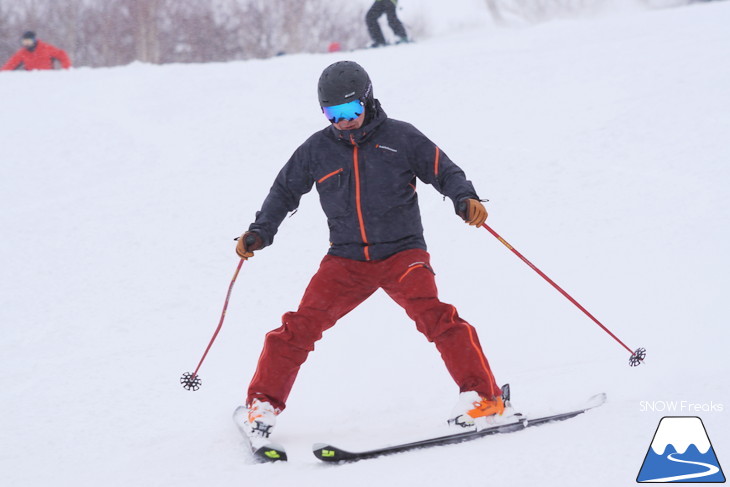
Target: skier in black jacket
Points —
{"points": [[379, 8], [366, 167]]}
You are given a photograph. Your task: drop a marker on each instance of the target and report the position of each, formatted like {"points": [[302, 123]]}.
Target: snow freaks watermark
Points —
{"points": [[681, 451], [680, 407]]}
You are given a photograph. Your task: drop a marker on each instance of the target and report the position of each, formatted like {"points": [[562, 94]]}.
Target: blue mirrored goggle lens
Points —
{"points": [[346, 111]]}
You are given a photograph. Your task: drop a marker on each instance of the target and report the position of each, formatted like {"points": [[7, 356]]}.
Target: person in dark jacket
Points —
{"points": [[366, 167], [387, 7], [36, 54]]}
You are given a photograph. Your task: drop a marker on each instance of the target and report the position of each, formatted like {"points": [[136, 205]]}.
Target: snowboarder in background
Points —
{"points": [[366, 167], [379, 8], [36, 54]]}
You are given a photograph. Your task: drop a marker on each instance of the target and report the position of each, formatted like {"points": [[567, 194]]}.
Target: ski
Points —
{"points": [[264, 453], [330, 453]]}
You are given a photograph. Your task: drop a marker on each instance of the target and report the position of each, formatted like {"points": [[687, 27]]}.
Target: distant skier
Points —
{"points": [[36, 54], [365, 167], [379, 8]]}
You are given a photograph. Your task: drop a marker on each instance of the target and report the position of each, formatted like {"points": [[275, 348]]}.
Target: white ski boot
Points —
{"points": [[259, 423], [475, 411]]}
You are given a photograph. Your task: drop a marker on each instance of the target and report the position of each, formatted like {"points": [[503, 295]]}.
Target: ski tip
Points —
{"points": [[597, 400], [239, 416]]}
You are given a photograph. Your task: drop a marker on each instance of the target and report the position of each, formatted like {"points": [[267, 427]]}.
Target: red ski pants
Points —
{"points": [[342, 284]]}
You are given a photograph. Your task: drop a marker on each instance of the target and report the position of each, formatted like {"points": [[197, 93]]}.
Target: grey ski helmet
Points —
{"points": [[343, 82]]}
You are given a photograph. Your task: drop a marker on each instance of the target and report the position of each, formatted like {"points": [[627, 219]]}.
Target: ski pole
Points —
{"points": [[637, 356], [190, 381]]}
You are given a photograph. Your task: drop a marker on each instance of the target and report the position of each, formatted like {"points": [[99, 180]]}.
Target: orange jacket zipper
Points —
{"points": [[356, 164], [326, 177]]}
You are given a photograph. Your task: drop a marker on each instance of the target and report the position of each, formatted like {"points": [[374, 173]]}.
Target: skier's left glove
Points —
{"points": [[247, 243], [473, 212]]}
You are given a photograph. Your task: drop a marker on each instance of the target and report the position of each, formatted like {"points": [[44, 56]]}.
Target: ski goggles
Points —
{"points": [[346, 111]]}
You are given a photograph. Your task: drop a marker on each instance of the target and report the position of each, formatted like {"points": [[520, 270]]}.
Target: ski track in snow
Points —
{"points": [[602, 145]]}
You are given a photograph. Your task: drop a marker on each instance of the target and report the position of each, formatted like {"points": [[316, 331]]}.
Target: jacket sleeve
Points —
{"points": [[433, 166], [293, 181], [14, 62], [62, 57]]}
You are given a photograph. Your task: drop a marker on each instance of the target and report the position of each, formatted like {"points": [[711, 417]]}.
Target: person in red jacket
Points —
{"points": [[36, 54]]}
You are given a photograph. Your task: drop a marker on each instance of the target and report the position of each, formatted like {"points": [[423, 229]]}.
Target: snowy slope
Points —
{"points": [[602, 145]]}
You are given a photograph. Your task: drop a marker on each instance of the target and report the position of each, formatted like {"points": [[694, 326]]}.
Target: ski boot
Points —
{"points": [[259, 422], [475, 411]]}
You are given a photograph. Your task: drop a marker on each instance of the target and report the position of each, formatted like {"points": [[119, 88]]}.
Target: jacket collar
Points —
{"points": [[358, 136]]}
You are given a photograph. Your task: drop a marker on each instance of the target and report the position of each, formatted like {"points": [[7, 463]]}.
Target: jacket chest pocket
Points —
{"points": [[334, 192]]}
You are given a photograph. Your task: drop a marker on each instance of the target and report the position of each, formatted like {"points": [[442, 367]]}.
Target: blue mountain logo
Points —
{"points": [[681, 452]]}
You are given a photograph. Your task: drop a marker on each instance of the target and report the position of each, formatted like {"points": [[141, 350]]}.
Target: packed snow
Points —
{"points": [[602, 145]]}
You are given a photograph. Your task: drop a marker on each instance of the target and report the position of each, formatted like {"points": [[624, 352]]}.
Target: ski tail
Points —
{"points": [[270, 453], [329, 453]]}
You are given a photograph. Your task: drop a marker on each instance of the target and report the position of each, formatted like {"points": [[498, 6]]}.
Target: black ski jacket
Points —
{"points": [[366, 180]]}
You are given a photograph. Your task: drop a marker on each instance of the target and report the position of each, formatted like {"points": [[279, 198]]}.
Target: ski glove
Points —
{"points": [[473, 212], [247, 243]]}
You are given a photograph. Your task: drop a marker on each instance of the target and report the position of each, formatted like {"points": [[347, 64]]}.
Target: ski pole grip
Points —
{"points": [[250, 240]]}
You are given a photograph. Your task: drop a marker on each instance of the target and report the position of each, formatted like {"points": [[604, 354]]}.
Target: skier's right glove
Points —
{"points": [[247, 243]]}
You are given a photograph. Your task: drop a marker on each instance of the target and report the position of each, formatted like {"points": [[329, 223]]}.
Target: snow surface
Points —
{"points": [[603, 146]]}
